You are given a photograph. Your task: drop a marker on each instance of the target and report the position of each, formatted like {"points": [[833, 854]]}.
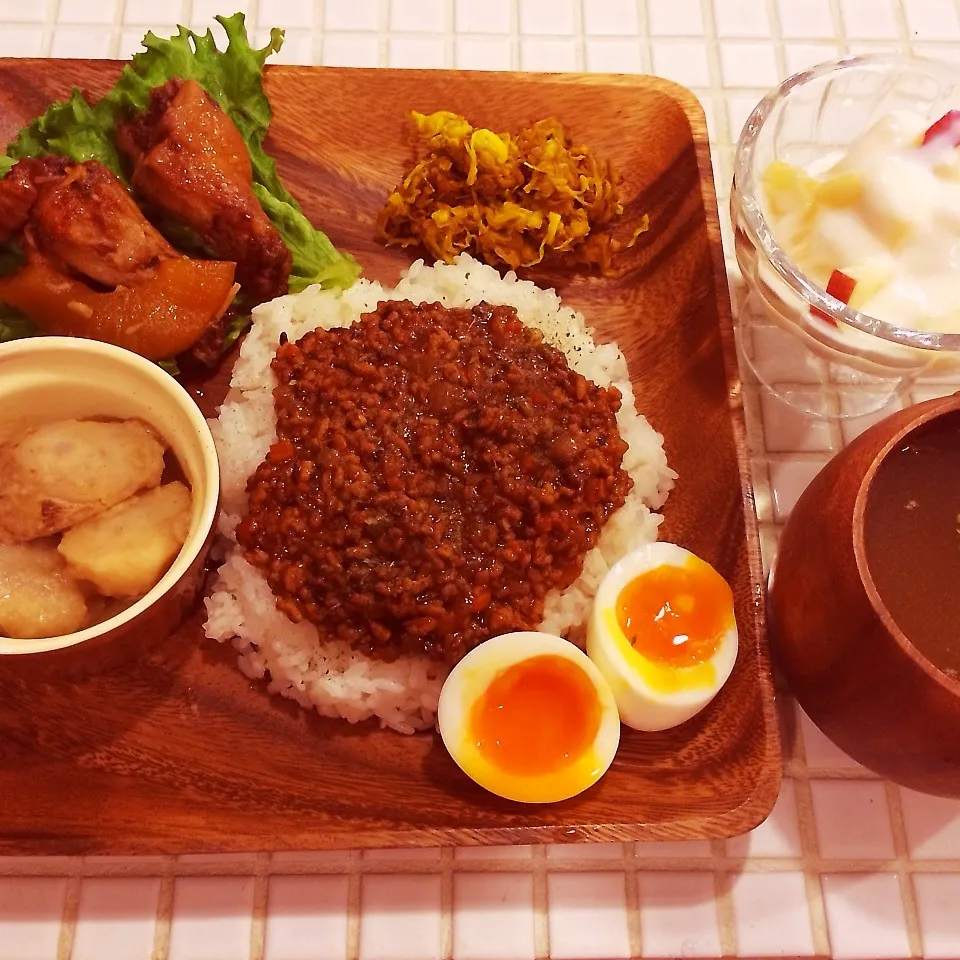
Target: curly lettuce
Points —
{"points": [[234, 78]]}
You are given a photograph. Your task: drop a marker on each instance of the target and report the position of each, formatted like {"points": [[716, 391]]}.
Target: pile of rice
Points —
{"points": [[330, 675]]}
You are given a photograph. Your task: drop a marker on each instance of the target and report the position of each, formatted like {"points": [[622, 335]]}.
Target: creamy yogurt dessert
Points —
{"points": [[877, 225]]}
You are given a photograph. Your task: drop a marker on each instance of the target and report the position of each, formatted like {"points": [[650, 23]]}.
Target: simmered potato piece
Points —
{"points": [[126, 550], [63, 473], [38, 597]]}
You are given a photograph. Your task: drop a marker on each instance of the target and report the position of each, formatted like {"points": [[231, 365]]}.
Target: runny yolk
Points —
{"points": [[676, 615], [536, 717]]}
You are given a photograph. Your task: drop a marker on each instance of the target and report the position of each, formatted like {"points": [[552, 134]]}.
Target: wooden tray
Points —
{"points": [[179, 752]]}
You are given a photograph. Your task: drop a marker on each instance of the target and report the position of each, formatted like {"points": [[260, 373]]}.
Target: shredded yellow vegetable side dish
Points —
{"points": [[509, 200]]}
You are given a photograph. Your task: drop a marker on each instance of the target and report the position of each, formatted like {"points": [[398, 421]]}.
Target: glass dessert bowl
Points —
{"points": [[845, 204]]}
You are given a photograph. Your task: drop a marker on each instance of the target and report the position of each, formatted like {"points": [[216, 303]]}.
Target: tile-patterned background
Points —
{"points": [[847, 864]]}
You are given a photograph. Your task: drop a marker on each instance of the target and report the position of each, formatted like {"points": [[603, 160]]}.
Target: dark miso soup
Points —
{"points": [[912, 539]]}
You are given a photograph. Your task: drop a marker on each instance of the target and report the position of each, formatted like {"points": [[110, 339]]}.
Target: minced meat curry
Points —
{"points": [[437, 472]]}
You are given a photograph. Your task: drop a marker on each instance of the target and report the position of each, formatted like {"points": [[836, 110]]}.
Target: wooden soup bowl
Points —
{"points": [[850, 666], [45, 379]]}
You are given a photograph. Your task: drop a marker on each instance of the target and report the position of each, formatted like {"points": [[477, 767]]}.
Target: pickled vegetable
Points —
{"points": [[509, 199]]}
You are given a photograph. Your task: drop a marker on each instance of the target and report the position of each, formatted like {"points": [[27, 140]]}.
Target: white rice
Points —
{"points": [[329, 675]]}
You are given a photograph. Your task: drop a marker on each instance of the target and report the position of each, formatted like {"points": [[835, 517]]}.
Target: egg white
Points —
{"points": [[649, 695], [471, 677]]}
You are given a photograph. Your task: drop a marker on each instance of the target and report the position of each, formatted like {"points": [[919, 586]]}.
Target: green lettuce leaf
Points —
{"points": [[236, 326], [14, 325], [315, 258], [73, 129], [234, 78], [11, 258]]}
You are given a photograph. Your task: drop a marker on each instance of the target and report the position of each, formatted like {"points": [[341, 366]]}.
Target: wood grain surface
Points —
{"points": [[177, 751]]}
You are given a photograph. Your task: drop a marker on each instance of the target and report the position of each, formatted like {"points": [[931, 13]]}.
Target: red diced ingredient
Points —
{"points": [[839, 286], [280, 452], [948, 127]]}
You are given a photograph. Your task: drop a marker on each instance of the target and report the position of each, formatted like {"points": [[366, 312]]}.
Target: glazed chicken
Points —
{"points": [[97, 268], [189, 161], [19, 190], [80, 219]]}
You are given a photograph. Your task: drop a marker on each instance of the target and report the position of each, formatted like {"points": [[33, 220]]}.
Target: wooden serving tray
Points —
{"points": [[177, 751]]}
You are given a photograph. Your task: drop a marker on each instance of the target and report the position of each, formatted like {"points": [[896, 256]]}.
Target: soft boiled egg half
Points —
{"points": [[663, 633], [529, 717]]}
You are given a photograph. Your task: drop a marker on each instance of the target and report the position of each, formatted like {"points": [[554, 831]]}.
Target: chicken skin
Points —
{"points": [[95, 267], [20, 188], [79, 218], [89, 223], [189, 161]]}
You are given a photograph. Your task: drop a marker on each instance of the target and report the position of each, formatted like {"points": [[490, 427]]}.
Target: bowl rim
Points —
{"points": [[948, 405], [11, 646], [748, 214]]}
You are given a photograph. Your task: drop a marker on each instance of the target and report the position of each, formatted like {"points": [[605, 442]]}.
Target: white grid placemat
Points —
{"points": [[847, 865]]}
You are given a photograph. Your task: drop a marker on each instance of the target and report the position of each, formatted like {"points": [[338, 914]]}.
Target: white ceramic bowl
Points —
{"points": [[44, 379]]}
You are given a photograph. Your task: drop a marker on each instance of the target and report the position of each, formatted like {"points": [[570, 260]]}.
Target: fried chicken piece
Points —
{"points": [[90, 223], [80, 219], [97, 268], [191, 163], [19, 190]]}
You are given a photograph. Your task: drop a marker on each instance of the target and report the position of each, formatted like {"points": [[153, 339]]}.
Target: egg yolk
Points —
{"points": [[536, 717], [676, 615]]}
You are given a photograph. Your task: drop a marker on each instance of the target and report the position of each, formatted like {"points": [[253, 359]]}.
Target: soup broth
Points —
{"points": [[912, 539]]}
